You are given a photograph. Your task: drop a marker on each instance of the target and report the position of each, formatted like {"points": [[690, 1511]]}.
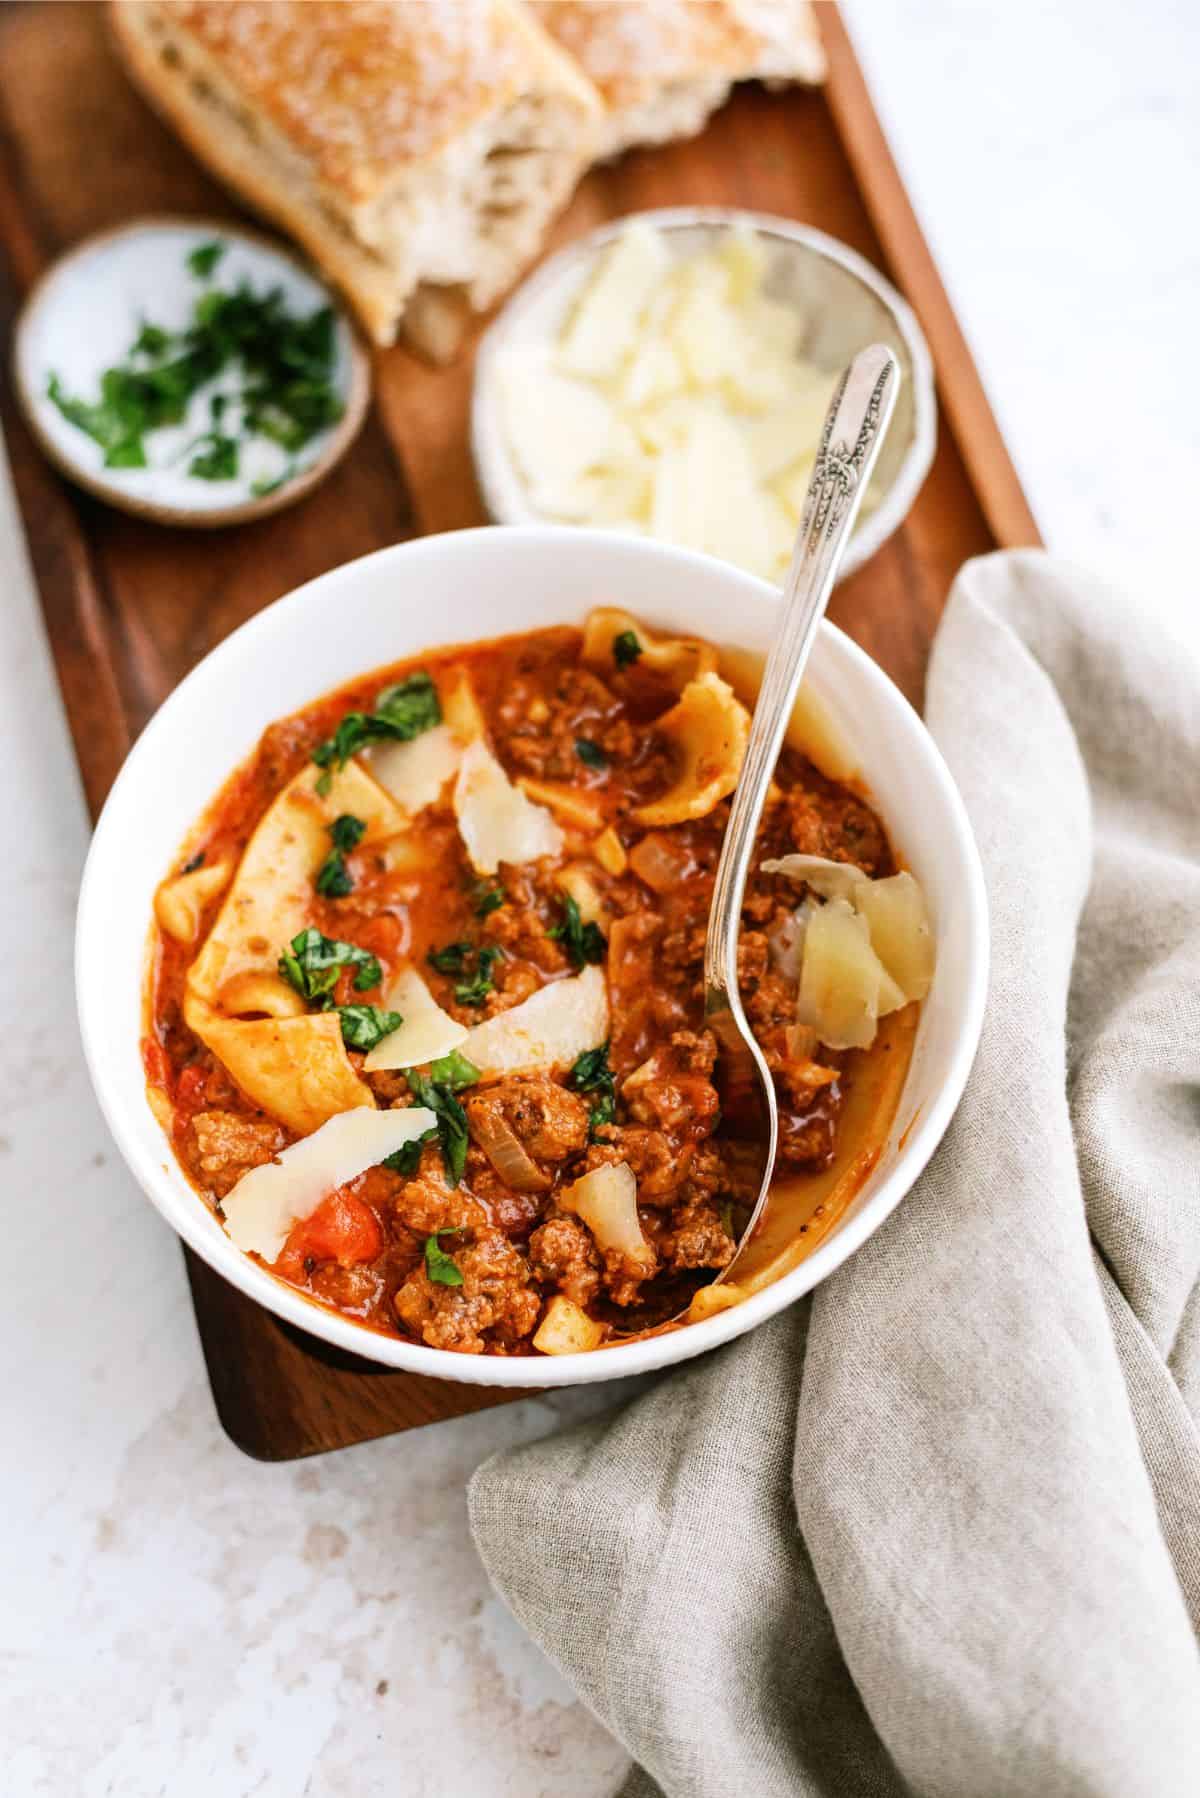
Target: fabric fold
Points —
{"points": [[938, 1529]]}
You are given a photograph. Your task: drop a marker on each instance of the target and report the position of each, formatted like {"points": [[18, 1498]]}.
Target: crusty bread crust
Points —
{"points": [[663, 66], [388, 203]]}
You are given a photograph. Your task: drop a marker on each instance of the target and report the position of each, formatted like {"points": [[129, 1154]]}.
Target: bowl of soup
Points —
{"points": [[389, 947]]}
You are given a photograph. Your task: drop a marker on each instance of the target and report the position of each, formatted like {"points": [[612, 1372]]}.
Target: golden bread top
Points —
{"points": [[360, 87]]}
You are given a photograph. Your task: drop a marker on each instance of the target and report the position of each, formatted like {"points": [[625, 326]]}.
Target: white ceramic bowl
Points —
{"points": [[455, 588], [847, 305]]}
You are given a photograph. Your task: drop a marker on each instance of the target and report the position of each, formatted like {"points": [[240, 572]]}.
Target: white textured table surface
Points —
{"points": [[178, 1619]]}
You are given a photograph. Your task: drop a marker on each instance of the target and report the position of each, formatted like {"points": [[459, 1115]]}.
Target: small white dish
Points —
{"points": [[82, 317], [847, 305], [458, 587]]}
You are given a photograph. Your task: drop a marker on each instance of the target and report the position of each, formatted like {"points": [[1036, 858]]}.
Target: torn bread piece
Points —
{"points": [[402, 142], [663, 66]]}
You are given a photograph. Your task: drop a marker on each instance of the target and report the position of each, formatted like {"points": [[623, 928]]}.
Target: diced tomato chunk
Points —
{"points": [[191, 1089], [341, 1229], [154, 1060]]}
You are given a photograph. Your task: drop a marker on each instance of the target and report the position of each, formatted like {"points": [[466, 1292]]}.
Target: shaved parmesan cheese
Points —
{"points": [[566, 1329], [425, 1030], [416, 773], [495, 819], [844, 987], [606, 1201], [551, 1029], [268, 1201], [460, 708], [602, 328], [829, 880], [677, 400], [901, 936]]}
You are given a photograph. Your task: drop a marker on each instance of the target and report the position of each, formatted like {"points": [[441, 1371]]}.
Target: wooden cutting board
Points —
{"points": [[131, 606]]}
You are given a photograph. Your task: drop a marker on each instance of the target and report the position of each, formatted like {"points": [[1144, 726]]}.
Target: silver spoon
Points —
{"points": [[854, 429]]}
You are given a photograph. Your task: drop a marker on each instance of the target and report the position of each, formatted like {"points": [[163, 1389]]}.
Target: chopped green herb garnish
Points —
{"points": [[438, 1265], [401, 713], [286, 363], [313, 963], [193, 862], [590, 754], [204, 258], [626, 648], [582, 942], [151, 340], [592, 1074], [261, 488], [487, 899], [475, 990], [407, 1159], [216, 458], [365, 1025], [451, 1118], [454, 1071], [450, 960], [333, 877]]}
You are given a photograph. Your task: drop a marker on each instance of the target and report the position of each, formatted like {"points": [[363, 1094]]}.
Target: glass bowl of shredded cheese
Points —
{"points": [[668, 376]]}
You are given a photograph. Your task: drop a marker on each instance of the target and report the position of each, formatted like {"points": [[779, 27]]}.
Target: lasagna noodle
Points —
{"points": [[296, 1069]]}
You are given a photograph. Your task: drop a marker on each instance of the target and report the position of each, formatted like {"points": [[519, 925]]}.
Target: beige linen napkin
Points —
{"points": [[938, 1529]]}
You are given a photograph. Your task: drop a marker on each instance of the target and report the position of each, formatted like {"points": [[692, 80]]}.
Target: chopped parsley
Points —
{"points": [[216, 458], [407, 1158], [592, 1074], [474, 961], [582, 942], [626, 648], [312, 965], [193, 862], [451, 1121], [487, 899], [204, 258], [401, 713], [438, 1265], [333, 878], [454, 1071], [365, 1025], [283, 364], [589, 753]]}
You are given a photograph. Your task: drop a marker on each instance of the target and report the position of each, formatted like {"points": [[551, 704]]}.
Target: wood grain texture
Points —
{"points": [[131, 606]]}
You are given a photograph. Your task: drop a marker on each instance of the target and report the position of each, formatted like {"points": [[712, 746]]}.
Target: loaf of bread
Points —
{"points": [[662, 66], [407, 144]]}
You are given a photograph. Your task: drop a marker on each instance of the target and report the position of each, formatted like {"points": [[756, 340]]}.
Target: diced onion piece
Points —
{"points": [[709, 1300], [265, 1204], [829, 880], [841, 979], [295, 1068], [898, 920], [609, 851], [264, 995], [551, 1029], [708, 729], [425, 1030], [676, 660], [566, 1329], [416, 773], [572, 805], [504, 1148], [606, 1201], [179, 903], [582, 888], [661, 861], [498, 823]]}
